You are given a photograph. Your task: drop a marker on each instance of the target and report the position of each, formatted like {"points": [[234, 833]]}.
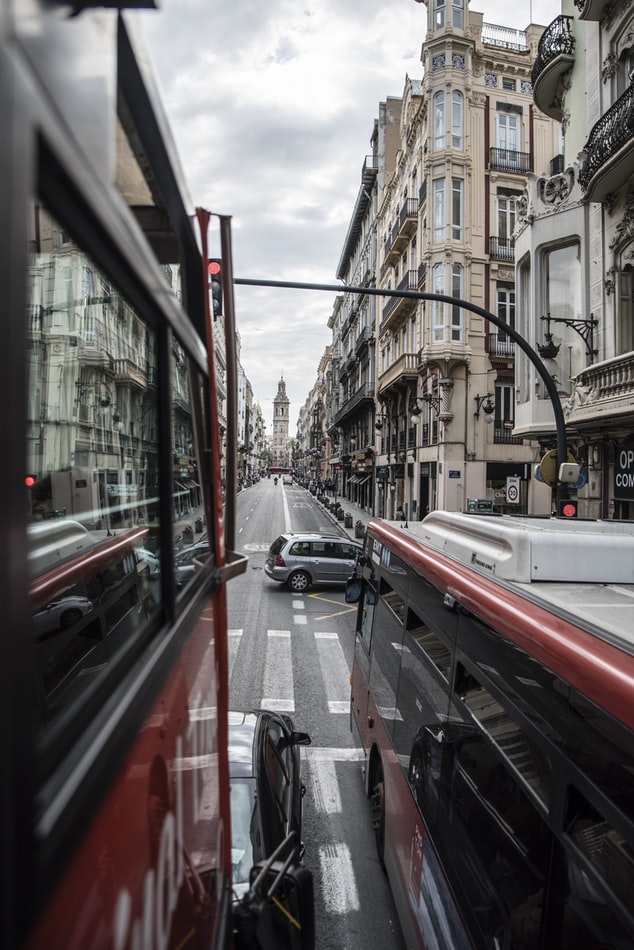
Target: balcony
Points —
{"points": [[129, 373], [396, 306], [362, 340], [362, 397], [609, 150], [608, 392], [555, 57], [591, 9], [507, 160], [402, 229], [404, 367], [502, 249], [501, 344]]}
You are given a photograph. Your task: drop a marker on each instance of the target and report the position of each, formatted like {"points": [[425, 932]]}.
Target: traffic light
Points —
{"points": [[30, 481], [567, 508], [214, 269]]}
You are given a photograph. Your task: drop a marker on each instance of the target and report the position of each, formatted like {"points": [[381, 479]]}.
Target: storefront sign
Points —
{"points": [[624, 472]]}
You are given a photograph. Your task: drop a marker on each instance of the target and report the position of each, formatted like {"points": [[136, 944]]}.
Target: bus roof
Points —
{"points": [[582, 570], [529, 550]]}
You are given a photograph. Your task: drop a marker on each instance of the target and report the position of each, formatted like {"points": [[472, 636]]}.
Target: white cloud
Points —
{"points": [[272, 106]]}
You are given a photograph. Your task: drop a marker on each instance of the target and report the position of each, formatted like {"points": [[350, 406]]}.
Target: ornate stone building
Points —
{"points": [[575, 253], [279, 446]]}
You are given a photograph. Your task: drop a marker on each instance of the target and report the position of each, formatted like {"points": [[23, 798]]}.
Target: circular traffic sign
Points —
{"points": [[512, 493]]}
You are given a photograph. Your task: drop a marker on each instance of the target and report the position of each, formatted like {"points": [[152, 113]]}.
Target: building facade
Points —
{"points": [[425, 389], [575, 247]]}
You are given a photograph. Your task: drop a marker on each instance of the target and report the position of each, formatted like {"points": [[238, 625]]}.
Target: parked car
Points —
{"points": [[184, 566], [303, 560], [61, 614], [266, 789], [145, 557]]}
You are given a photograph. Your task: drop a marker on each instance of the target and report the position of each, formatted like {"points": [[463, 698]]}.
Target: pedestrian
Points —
{"points": [[400, 514]]}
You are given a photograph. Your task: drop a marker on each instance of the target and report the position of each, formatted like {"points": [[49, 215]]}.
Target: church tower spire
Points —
{"points": [[281, 405]]}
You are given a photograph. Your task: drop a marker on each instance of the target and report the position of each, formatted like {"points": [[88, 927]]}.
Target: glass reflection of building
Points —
{"points": [[91, 390]]}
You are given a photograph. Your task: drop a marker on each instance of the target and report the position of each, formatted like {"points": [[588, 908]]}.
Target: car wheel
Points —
{"points": [[299, 581], [70, 617]]}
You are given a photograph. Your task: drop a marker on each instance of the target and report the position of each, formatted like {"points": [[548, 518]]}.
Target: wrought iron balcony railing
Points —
{"points": [[502, 249], [508, 160], [557, 39], [613, 130]]}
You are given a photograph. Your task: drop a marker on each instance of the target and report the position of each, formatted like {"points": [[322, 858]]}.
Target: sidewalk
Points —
{"points": [[348, 507]]}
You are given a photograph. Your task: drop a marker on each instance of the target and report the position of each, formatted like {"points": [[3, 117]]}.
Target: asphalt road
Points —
{"points": [[293, 652]]}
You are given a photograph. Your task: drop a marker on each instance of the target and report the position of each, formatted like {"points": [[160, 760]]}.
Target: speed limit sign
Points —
{"points": [[512, 490]]}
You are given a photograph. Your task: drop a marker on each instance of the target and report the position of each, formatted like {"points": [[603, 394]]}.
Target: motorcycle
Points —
{"points": [[275, 481]]}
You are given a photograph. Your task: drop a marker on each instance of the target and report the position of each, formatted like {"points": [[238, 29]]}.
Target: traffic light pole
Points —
{"points": [[551, 389]]}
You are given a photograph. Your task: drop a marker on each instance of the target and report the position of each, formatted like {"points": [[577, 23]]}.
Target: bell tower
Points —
{"points": [[281, 405]]}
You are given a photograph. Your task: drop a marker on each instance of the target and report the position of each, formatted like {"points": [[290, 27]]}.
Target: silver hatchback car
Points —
{"points": [[303, 560]]}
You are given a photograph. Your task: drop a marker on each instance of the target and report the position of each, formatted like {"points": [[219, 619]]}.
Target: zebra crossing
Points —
{"points": [[333, 861]]}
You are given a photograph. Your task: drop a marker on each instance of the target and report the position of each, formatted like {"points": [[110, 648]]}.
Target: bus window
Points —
{"points": [[522, 753], [498, 842], [92, 488], [386, 653], [599, 843], [367, 615], [423, 689]]}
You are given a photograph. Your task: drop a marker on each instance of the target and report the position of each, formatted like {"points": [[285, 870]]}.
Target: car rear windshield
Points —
{"points": [[276, 547]]}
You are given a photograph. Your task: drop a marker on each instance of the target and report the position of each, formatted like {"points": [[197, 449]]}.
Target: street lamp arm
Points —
{"points": [[549, 383]]}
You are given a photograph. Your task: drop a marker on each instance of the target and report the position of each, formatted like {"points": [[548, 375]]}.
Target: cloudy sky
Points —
{"points": [[272, 105]]}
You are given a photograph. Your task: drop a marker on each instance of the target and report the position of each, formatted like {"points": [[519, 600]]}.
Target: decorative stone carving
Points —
{"points": [[608, 67], [556, 189]]}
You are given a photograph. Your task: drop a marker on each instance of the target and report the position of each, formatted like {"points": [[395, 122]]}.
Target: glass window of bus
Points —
{"points": [[387, 644], [423, 688], [498, 843], [190, 535], [606, 754], [598, 844], [367, 615], [529, 760], [92, 475]]}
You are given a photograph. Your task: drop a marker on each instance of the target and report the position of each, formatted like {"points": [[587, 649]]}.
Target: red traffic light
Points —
{"points": [[30, 480], [214, 268], [567, 508]]}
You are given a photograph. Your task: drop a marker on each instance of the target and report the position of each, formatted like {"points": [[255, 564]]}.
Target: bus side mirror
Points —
{"points": [[353, 590]]}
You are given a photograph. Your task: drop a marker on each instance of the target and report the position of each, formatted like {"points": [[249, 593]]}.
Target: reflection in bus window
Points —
{"points": [[523, 754], [386, 658], [91, 470], [190, 540], [367, 615]]}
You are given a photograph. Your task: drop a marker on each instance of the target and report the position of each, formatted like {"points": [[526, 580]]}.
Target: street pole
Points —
{"points": [[549, 383]]}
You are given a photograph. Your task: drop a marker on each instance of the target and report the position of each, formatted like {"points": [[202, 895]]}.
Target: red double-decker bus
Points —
{"points": [[114, 802], [492, 689]]}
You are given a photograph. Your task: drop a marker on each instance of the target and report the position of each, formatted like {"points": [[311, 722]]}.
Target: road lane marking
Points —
{"points": [[338, 883], [325, 788], [335, 673], [277, 683]]}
